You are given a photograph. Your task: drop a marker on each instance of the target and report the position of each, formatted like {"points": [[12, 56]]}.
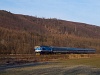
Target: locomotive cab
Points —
{"points": [[43, 49]]}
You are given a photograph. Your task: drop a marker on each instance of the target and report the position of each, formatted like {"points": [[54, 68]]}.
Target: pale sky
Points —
{"points": [[85, 11]]}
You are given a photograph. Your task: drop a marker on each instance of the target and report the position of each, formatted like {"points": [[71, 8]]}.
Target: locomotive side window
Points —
{"points": [[43, 49]]}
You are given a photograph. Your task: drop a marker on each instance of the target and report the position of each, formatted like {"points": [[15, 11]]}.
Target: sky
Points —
{"points": [[84, 11]]}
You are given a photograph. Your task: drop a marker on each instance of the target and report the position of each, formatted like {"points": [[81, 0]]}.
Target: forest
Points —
{"points": [[20, 33]]}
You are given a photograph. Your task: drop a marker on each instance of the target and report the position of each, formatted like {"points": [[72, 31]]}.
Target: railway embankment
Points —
{"points": [[28, 58]]}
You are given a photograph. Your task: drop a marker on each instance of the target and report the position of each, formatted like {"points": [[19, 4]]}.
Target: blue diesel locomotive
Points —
{"points": [[63, 50]]}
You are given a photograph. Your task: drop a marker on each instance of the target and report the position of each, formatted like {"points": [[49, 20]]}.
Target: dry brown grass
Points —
{"points": [[26, 58]]}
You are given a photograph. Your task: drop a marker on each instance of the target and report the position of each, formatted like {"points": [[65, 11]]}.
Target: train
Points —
{"points": [[62, 50]]}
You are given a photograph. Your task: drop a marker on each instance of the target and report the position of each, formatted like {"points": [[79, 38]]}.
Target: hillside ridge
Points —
{"points": [[20, 33]]}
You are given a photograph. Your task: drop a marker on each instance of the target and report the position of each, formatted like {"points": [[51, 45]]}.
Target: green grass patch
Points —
{"points": [[58, 64], [94, 62]]}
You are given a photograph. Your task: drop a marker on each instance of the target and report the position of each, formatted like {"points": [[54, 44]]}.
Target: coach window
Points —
{"points": [[43, 48]]}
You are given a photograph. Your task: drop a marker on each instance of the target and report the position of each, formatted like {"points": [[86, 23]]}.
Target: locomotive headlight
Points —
{"points": [[37, 50]]}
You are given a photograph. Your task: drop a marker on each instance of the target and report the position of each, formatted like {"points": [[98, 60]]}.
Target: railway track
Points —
{"points": [[25, 58]]}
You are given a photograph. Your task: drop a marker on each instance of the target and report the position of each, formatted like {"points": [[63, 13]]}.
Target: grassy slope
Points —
{"points": [[95, 62], [60, 66]]}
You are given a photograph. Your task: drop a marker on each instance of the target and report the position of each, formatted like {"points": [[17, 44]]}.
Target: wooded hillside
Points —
{"points": [[20, 33]]}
